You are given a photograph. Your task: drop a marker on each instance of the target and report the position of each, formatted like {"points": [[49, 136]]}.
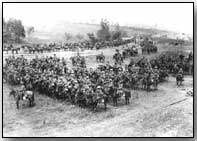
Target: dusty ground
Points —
{"points": [[162, 113]]}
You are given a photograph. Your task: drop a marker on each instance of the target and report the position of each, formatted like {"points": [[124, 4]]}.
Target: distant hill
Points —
{"points": [[56, 32]]}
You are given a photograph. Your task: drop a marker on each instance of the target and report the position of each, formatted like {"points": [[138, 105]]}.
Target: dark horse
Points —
{"points": [[179, 79], [96, 99], [127, 95], [26, 95], [100, 58]]}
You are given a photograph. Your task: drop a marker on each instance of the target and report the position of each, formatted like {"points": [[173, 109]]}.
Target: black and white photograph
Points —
{"points": [[97, 69]]}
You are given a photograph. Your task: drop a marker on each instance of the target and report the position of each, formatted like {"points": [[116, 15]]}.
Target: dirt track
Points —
{"points": [[149, 114]]}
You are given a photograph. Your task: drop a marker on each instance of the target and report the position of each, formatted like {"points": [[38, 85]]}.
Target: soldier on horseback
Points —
{"points": [[22, 89], [118, 57], [180, 72], [179, 77]]}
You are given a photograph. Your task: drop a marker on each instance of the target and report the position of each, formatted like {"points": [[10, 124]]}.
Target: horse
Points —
{"points": [[151, 81], [13, 78], [163, 75], [179, 79], [118, 58], [127, 95], [15, 49], [100, 58], [26, 95], [98, 98], [147, 81], [116, 95]]}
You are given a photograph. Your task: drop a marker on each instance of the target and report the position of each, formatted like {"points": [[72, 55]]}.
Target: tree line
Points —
{"points": [[107, 34], [14, 31]]}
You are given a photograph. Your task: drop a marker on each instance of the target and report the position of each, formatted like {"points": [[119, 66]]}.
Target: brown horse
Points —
{"points": [[26, 95]]}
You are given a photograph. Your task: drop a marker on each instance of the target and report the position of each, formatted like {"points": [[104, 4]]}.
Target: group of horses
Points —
{"points": [[108, 82], [129, 52], [100, 58], [78, 61], [52, 47], [148, 46]]}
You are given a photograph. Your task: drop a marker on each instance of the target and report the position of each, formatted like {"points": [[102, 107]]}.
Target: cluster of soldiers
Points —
{"points": [[148, 46], [41, 48], [174, 62], [130, 51], [85, 86]]}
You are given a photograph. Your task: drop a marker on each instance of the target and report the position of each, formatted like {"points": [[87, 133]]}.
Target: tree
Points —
{"points": [[6, 33], [104, 32], [117, 34], [92, 38], [30, 30], [16, 29], [79, 36], [68, 36]]}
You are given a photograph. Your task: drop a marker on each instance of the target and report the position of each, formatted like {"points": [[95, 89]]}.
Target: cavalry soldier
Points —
{"points": [[156, 70], [115, 68], [117, 57], [108, 66], [99, 91], [23, 72], [180, 72], [22, 89], [179, 77], [176, 68]]}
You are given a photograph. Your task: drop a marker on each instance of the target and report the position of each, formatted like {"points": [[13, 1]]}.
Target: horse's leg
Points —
{"points": [[105, 104], [156, 84], [95, 106], [30, 103], [147, 88], [17, 104]]}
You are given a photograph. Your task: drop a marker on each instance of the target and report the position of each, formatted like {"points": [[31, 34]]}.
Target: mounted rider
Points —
{"points": [[180, 72], [118, 57], [22, 90]]}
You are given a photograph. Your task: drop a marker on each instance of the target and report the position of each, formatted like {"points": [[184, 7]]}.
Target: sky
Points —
{"points": [[176, 17]]}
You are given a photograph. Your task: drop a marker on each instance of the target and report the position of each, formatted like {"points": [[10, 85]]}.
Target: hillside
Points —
{"points": [[56, 32]]}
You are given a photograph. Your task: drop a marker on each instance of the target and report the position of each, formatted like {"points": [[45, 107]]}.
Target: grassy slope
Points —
{"points": [[56, 33]]}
